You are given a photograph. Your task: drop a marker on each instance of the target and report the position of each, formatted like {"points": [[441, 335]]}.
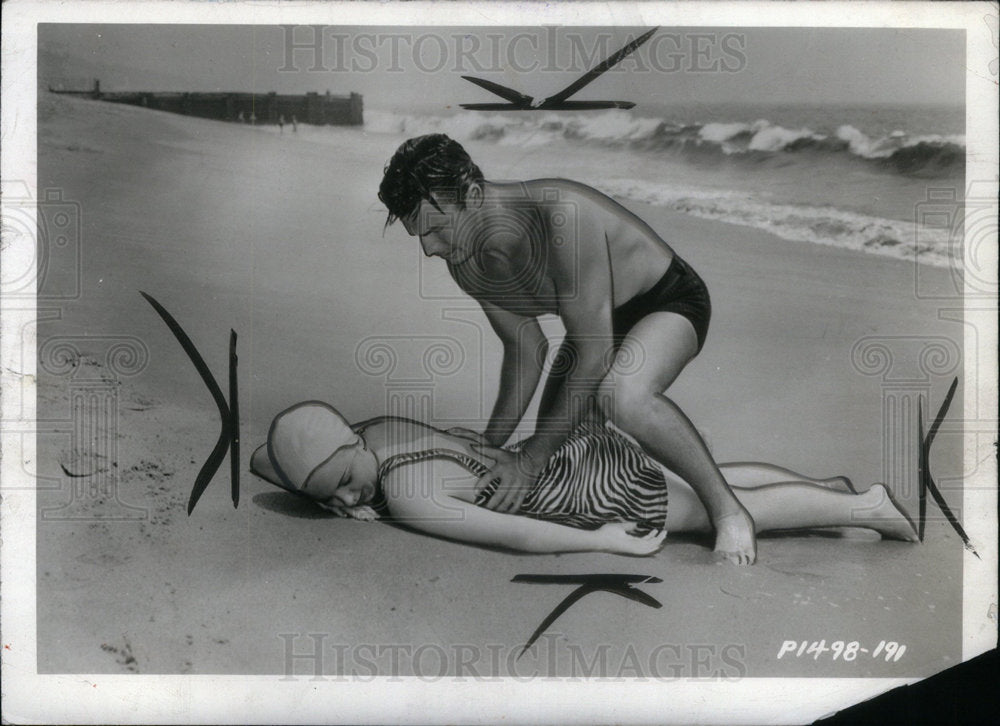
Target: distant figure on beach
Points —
{"points": [[240, 118], [253, 119], [634, 312], [295, 124], [598, 492], [281, 124]]}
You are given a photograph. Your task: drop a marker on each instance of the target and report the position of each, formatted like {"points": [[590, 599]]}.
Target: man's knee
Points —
{"points": [[622, 402]]}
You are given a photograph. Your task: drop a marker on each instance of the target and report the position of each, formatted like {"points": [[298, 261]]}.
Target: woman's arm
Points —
{"points": [[440, 514]]}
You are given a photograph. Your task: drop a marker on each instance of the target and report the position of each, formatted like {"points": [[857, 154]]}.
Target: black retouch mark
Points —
{"points": [[518, 101], [926, 480], [229, 413], [617, 584], [229, 440]]}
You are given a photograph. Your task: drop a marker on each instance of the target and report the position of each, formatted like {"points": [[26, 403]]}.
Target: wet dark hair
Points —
{"points": [[421, 165]]}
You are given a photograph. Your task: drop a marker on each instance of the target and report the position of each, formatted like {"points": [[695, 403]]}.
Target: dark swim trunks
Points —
{"points": [[680, 291]]}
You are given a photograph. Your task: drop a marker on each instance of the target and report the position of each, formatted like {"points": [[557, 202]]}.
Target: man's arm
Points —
{"points": [[583, 284], [581, 273], [524, 349]]}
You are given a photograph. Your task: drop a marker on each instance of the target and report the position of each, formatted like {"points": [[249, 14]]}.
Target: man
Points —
{"points": [[634, 314]]}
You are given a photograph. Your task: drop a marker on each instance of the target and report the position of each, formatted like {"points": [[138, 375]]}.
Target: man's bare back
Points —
{"points": [[514, 264]]}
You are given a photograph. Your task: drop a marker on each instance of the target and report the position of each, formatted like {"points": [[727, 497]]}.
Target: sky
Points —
{"points": [[421, 68]]}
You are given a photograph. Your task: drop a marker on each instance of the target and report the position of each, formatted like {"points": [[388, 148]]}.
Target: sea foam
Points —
{"points": [[798, 222]]}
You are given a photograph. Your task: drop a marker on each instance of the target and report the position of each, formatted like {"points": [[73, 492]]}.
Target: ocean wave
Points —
{"points": [[796, 222], [898, 152]]}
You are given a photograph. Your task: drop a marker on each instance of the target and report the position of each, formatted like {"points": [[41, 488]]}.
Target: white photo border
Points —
{"points": [[78, 698]]}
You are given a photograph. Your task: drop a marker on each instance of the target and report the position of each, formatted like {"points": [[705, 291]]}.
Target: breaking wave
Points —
{"points": [[757, 195], [925, 156]]}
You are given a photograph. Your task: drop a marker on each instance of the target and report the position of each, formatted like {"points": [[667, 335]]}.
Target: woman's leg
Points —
{"points": [[795, 505], [801, 506], [752, 474]]}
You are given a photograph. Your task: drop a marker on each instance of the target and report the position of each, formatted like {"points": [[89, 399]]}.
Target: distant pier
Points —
{"points": [[268, 108]]}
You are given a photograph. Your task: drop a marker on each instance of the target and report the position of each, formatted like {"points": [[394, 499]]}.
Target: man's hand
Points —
{"points": [[517, 474], [464, 433]]}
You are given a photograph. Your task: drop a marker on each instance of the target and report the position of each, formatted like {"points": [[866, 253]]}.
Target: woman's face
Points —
{"points": [[348, 479]]}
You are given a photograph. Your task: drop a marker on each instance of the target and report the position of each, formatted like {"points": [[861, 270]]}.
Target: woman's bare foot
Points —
{"points": [[735, 539], [838, 483], [883, 514]]}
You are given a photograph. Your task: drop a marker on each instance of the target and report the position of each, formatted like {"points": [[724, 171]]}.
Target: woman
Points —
{"points": [[598, 492]]}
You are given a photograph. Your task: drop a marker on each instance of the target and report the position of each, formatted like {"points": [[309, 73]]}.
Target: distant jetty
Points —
{"points": [[269, 108]]}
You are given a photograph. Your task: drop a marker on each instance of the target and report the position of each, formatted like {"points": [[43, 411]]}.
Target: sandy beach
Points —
{"points": [[280, 238]]}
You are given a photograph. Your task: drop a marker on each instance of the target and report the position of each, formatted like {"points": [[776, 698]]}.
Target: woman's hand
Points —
{"points": [[517, 473], [616, 538], [362, 512]]}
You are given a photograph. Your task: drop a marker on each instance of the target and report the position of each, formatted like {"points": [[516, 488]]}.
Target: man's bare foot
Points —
{"points": [[735, 539], [883, 514]]}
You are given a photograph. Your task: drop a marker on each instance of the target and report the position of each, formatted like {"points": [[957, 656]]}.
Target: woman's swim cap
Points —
{"points": [[303, 438]]}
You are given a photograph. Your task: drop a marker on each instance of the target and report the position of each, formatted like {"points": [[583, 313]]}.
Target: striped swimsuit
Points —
{"points": [[597, 476]]}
